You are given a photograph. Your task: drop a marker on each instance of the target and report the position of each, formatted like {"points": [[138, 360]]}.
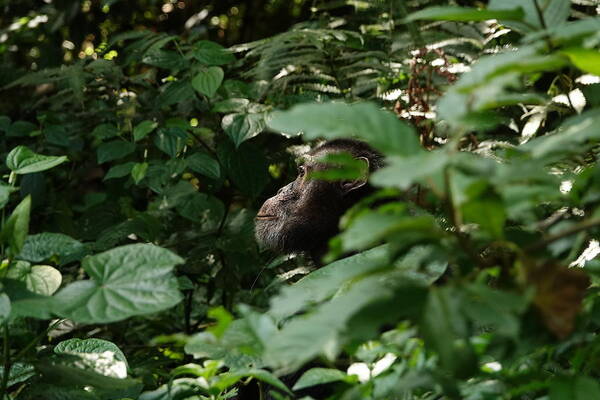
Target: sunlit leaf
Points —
{"points": [[464, 14], [208, 81], [21, 160], [125, 281]]}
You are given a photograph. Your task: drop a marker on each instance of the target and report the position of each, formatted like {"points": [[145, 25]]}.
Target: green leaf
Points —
{"points": [[90, 370], [445, 330], [464, 14], [202, 208], [246, 166], [488, 212], [126, 281], [70, 346], [4, 123], [372, 227], [21, 160], [568, 138], [4, 307], [114, 150], [402, 172], [170, 60], [334, 120], [231, 105], [208, 81], [319, 376], [21, 128], [204, 164], [211, 53], [498, 311], [324, 282], [170, 140], [556, 12], [5, 192], [119, 171], [25, 303], [142, 129], [241, 127], [575, 388], [175, 92], [138, 172], [531, 20], [19, 372], [228, 379], [587, 60], [572, 30], [44, 246], [320, 331], [40, 279], [105, 131], [223, 317], [16, 227]]}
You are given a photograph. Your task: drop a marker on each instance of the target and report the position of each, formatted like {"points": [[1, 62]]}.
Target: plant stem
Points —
{"points": [[455, 220], [6, 363], [583, 226]]}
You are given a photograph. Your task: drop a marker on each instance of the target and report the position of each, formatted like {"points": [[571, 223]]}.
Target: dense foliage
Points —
{"points": [[137, 155]]}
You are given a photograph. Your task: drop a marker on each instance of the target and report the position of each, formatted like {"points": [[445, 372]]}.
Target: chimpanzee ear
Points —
{"points": [[348, 186]]}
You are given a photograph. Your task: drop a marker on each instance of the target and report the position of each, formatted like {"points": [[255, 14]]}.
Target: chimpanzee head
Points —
{"points": [[304, 215]]}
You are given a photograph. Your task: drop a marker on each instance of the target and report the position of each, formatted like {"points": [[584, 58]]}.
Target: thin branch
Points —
{"points": [[7, 363], [583, 226]]}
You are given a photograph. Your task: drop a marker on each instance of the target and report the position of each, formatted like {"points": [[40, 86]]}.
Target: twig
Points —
{"points": [[463, 240], [7, 364], [585, 225]]}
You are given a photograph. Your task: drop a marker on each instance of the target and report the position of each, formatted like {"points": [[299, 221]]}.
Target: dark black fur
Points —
{"points": [[304, 215]]}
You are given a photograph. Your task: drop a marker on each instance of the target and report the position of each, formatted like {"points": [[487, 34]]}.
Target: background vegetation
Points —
{"points": [[140, 138]]}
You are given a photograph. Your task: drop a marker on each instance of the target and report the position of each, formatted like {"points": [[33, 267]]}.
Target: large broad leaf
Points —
{"points": [[4, 307], [204, 164], [44, 246], [370, 228], [91, 370], [575, 388], [246, 166], [114, 150], [175, 92], [5, 192], [208, 81], [119, 171], [138, 172], [320, 331], [182, 388], [446, 331], [21, 160], [241, 127], [16, 227], [142, 129], [19, 372], [324, 282], [334, 120], [126, 281], [464, 14], [40, 279], [25, 303], [402, 172], [211, 53], [587, 60], [229, 378], [569, 137], [572, 30], [71, 346], [170, 140], [319, 376]]}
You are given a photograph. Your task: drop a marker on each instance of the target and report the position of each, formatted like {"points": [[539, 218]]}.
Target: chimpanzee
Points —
{"points": [[304, 215]]}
